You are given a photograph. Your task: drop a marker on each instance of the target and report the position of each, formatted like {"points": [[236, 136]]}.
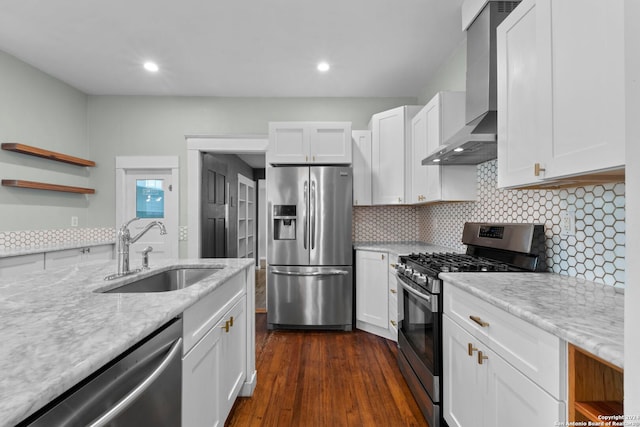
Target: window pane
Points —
{"points": [[149, 198]]}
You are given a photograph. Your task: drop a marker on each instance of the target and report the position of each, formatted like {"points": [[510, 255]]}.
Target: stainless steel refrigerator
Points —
{"points": [[310, 274]]}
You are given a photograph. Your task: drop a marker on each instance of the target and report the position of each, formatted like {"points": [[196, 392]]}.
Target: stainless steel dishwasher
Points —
{"points": [[143, 386]]}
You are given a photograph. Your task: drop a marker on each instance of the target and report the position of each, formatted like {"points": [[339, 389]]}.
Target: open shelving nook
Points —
{"points": [[50, 155], [595, 387], [246, 217]]}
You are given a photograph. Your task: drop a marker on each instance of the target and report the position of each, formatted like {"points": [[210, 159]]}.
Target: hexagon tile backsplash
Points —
{"points": [[596, 252]]}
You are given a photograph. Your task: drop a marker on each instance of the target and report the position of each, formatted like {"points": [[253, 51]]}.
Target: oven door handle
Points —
{"points": [[420, 295]]}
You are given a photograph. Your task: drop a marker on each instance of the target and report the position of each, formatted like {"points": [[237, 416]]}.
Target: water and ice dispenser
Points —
{"points": [[284, 222]]}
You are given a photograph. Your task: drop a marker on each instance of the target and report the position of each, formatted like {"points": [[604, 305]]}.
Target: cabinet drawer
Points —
{"points": [[536, 353], [204, 314]]}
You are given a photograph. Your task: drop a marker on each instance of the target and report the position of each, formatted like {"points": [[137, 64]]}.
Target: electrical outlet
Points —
{"points": [[568, 223], [74, 221]]}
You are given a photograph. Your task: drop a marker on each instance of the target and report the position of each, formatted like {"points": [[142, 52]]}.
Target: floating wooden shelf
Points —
{"points": [[51, 155], [43, 186]]}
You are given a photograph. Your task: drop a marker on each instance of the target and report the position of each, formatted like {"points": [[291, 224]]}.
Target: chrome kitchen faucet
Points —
{"points": [[125, 240]]}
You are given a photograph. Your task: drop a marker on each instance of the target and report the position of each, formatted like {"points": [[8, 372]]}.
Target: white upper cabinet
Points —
{"points": [[309, 143], [560, 91], [431, 127], [361, 167], [391, 155]]}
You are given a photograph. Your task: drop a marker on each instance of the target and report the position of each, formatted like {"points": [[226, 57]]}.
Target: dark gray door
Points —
{"points": [[214, 208]]}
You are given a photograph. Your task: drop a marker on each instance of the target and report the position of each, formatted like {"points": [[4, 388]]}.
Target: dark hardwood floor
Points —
{"points": [[261, 290], [313, 378]]}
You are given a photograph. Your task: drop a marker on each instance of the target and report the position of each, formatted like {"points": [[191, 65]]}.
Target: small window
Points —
{"points": [[149, 198]]}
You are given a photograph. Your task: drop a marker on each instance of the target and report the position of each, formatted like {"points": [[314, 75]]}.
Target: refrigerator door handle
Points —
{"points": [[304, 214], [311, 273], [313, 214]]}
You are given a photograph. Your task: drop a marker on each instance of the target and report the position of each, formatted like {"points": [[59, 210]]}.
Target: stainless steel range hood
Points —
{"points": [[477, 141]]}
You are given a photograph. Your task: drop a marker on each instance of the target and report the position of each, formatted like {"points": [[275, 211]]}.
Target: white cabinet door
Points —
{"points": [[394, 287], [420, 182], [233, 356], [463, 384], [372, 293], [522, 95], [309, 143], [201, 374], [560, 91], [330, 143], [512, 398], [288, 143], [391, 155], [361, 167]]}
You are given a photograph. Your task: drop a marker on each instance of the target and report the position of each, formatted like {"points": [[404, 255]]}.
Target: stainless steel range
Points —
{"points": [[490, 247]]}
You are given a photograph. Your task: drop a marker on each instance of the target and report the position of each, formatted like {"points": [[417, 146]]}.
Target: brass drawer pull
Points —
{"points": [[537, 169], [226, 326], [479, 321], [481, 357], [231, 321], [393, 322], [471, 349], [393, 291]]}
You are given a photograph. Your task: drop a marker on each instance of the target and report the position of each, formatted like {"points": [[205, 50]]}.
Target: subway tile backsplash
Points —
{"points": [[596, 252]]}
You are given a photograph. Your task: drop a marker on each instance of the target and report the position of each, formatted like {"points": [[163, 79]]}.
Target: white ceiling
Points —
{"points": [[376, 48]]}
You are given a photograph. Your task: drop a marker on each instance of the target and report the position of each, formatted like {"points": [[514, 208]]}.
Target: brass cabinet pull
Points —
{"points": [[382, 256], [306, 158], [314, 158], [537, 169], [231, 321], [479, 321], [392, 265], [481, 357], [393, 291], [399, 199], [226, 326], [471, 349], [393, 322]]}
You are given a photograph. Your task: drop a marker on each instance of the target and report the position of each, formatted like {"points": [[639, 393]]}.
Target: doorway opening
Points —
{"points": [[218, 167]]}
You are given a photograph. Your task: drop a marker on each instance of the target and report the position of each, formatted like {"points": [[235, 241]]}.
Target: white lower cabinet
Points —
{"points": [[213, 371], [376, 294], [485, 358], [217, 362]]}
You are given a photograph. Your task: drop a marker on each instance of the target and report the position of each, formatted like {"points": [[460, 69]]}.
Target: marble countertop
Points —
{"points": [[56, 330], [400, 248], [28, 250], [587, 314]]}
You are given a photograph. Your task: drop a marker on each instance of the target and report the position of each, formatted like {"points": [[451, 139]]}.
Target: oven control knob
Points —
{"points": [[415, 276], [400, 267], [408, 272], [422, 279]]}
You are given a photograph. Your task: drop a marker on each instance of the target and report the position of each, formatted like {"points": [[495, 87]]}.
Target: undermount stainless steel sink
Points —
{"points": [[164, 281]]}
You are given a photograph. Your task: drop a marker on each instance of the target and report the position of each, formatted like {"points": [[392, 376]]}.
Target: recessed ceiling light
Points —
{"points": [[459, 149], [151, 67], [436, 160], [323, 67]]}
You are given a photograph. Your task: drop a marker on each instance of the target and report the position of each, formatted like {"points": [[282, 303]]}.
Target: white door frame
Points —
{"points": [[125, 163], [223, 144]]}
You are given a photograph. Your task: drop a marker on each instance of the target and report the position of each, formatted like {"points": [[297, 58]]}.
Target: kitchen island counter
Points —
{"points": [[587, 314], [56, 330]]}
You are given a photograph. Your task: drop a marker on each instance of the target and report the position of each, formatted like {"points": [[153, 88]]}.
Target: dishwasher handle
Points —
{"points": [[131, 397]]}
